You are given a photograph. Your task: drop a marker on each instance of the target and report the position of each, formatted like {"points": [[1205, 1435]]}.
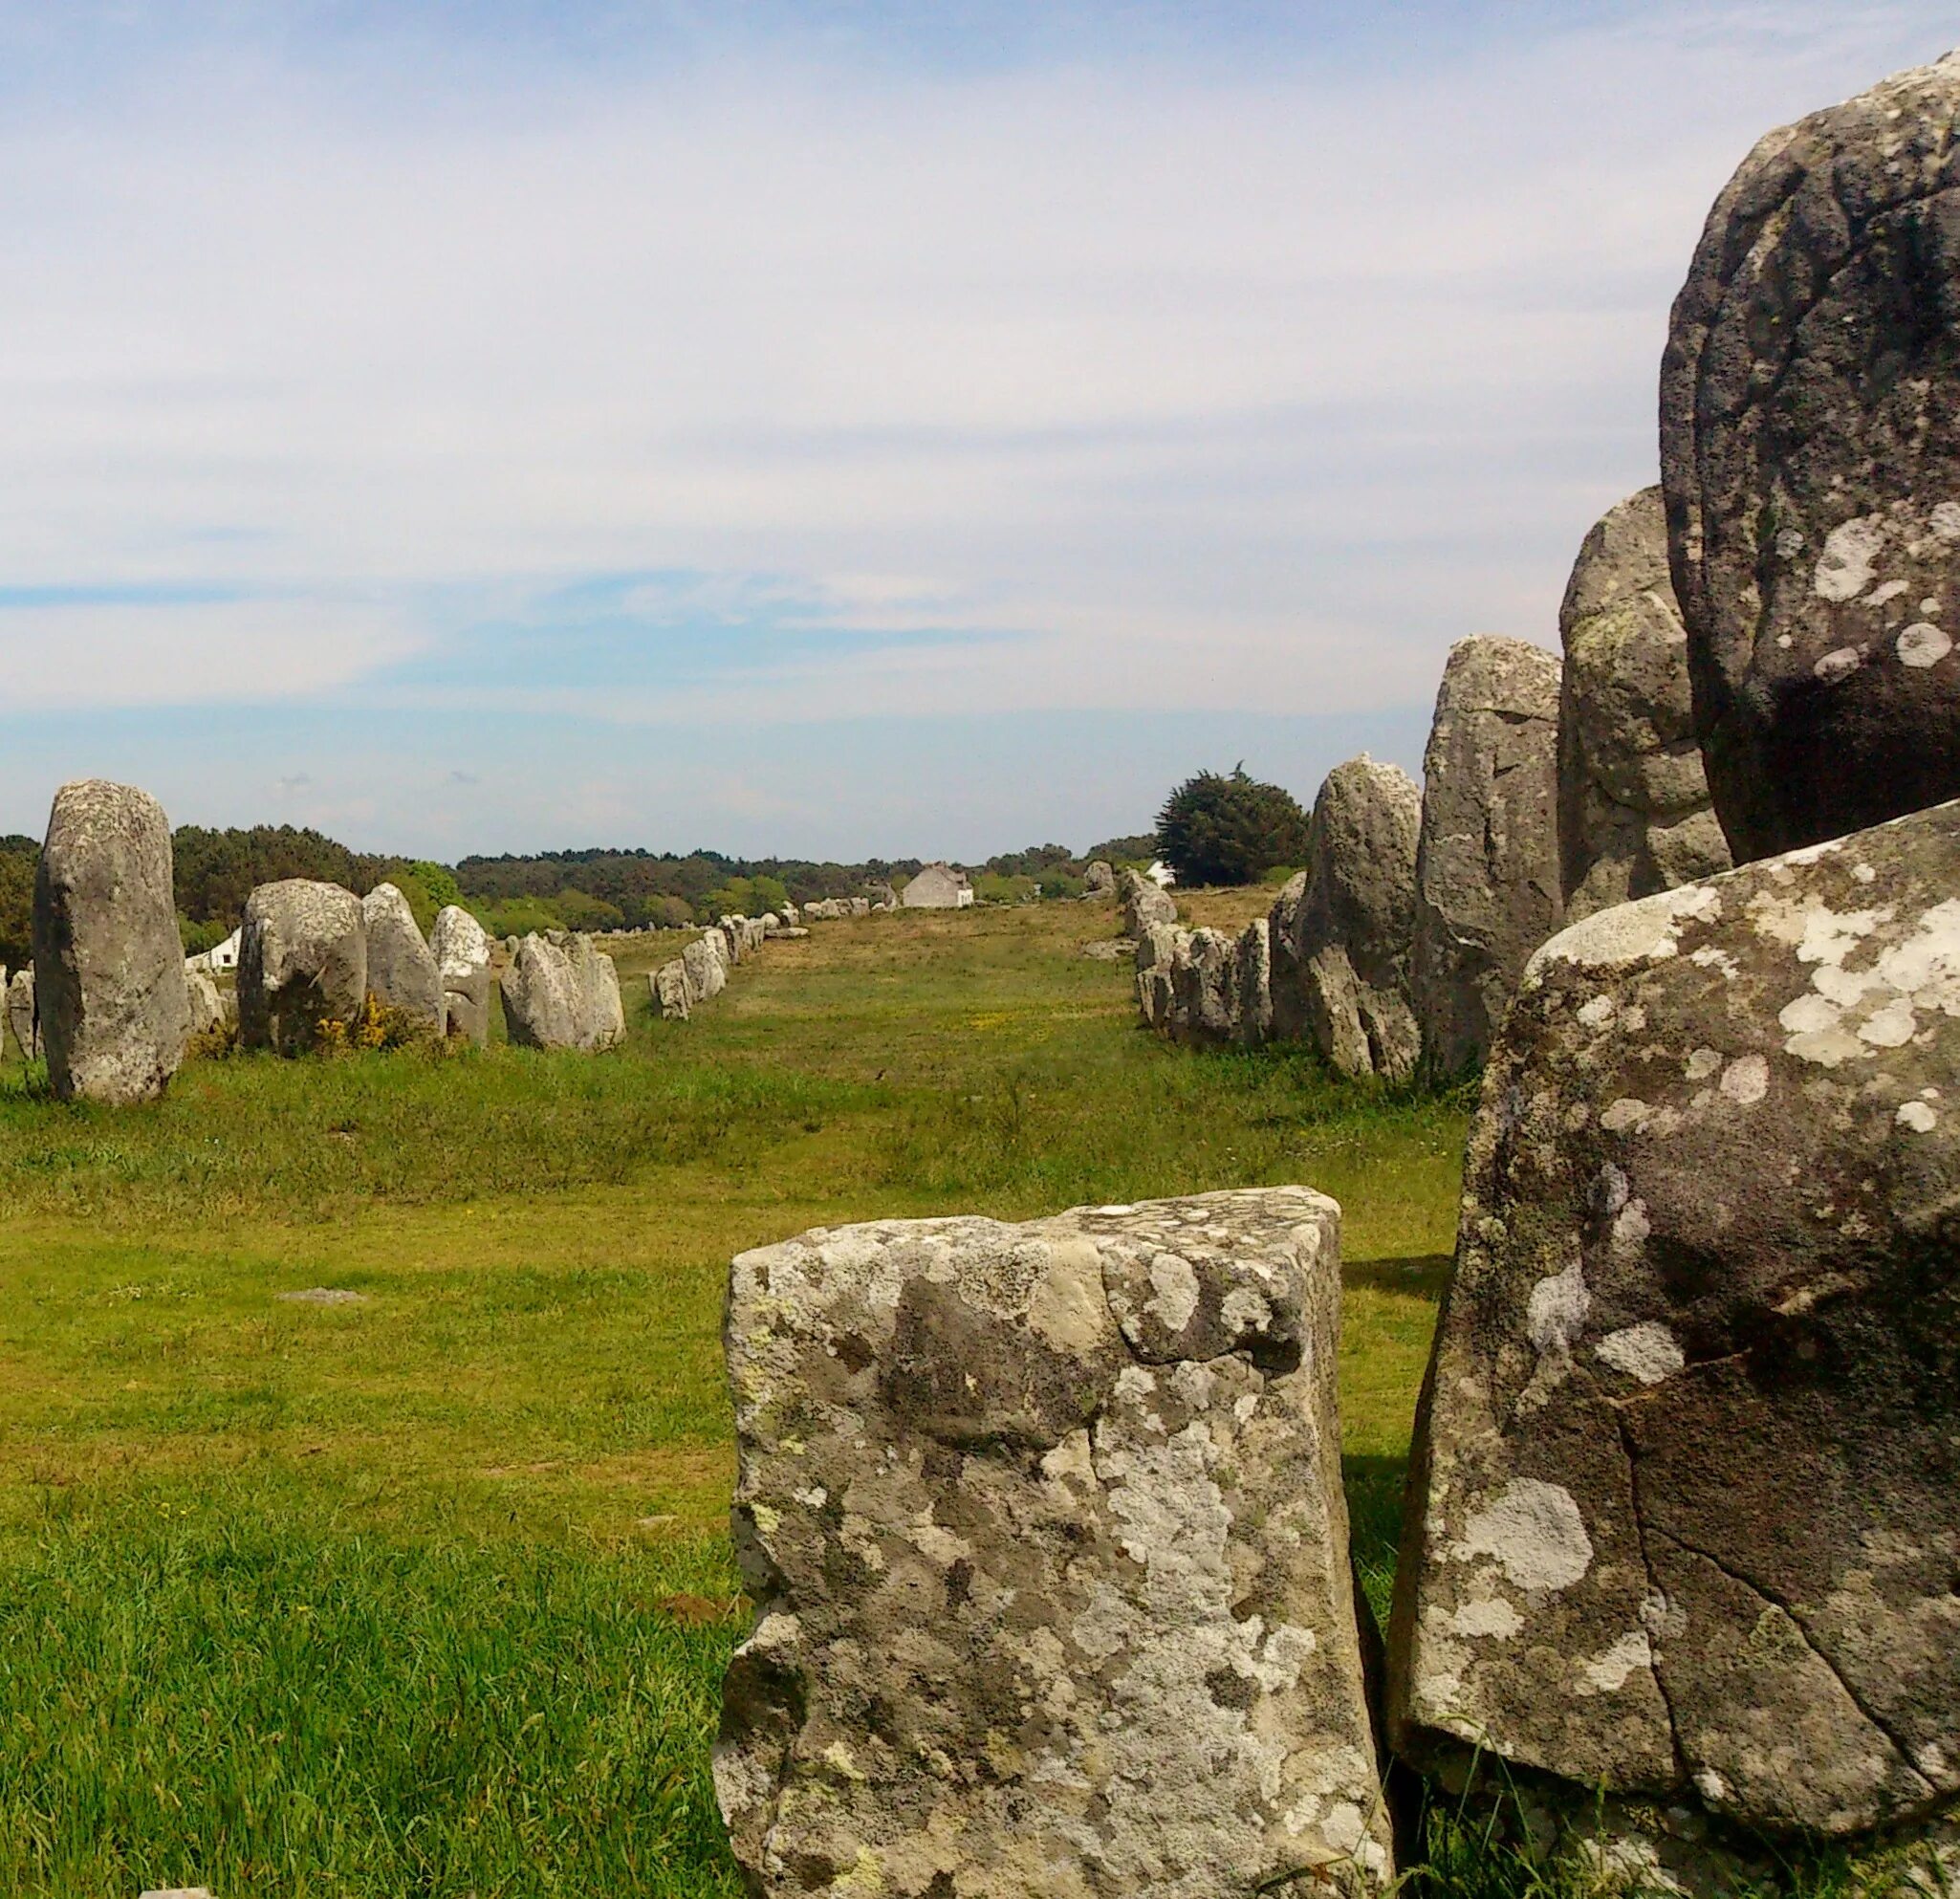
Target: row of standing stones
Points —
{"points": [[112, 1003], [1044, 1523], [700, 972], [1548, 792]]}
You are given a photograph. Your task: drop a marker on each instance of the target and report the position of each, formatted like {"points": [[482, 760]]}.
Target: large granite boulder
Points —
{"points": [[1158, 953], [1683, 1517], [1045, 1530], [302, 960], [1142, 902], [108, 959], [1343, 931], [601, 1015], [462, 950], [1098, 879], [543, 1006], [21, 1018], [1487, 859], [1810, 447], [1634, 815], [401, 968], [1204, 981]]}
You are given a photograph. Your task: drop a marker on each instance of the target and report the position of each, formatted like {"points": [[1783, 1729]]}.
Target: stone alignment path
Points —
{"points": [[1046, 1531]]}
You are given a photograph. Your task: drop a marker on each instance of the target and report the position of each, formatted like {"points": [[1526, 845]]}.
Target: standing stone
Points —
{"points": [[401, 968], [462, 963], [542, 1002], [108, 959], [670, 991], [1159, 950], [1634, 815], [1142, 902], [1203, 983], [601, 1015], [706, 973], [1684, 1517], [1098, 879], [20, 1014], [1810, 447], [1486, 861], [302, 960], [206, 1005], [1343, 933], [1045, 1529], [1251, 985]]}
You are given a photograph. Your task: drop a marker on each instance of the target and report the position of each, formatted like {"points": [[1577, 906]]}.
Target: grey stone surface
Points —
{"points": [[1811, 457], [462, 950], [1204, 978], [20, 1014], [1684, 1517], [401, 968], [601, 1016], [671, 992], [1251, 985], [543, 1007], [1142, 902], [108, 959], [708, 974], [1045, 1529], [1098, 879], [1343, 930], [302, 959], [1486, 861], [1634, 815], [204, 1003]]}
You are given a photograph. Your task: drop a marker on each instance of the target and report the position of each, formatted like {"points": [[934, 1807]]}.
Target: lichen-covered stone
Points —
{"points": [[207, 1005], [1810, 447], [302, 960], [1045, 1529], [1486, 861], [1683, 1517], [401, 968], [708, 974], [599, 1020], [1098, 879], [462, 950], [1343, 931], [1142, 902], [108, 959], [670, 991], [541, 1000], [1634, 815], [20, 1014]]}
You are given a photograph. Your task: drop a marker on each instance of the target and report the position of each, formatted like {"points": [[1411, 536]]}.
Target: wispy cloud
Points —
{"points": [[890, 362]]}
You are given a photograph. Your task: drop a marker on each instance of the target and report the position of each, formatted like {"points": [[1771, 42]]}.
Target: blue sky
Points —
{"points": [[827, 429]]}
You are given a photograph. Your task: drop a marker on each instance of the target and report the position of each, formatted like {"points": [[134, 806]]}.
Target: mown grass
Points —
{"points": [[429, 1593]]}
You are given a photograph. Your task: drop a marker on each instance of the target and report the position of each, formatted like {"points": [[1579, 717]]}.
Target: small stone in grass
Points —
{"points": [[325, 1296]]}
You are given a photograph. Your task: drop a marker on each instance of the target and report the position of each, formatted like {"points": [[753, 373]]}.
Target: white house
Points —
{"points": [[222, 957], [939, 887]]}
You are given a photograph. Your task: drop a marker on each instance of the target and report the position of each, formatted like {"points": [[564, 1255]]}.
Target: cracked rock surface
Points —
{"points": [[302, 960], [1342, 932], [1684, 1519], [1486, 861], [1045, 1530], [1634, 815], [1810, 439]]}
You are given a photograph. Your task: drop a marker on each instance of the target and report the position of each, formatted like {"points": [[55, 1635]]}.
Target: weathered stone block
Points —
{"points": [[1045, 1528]]}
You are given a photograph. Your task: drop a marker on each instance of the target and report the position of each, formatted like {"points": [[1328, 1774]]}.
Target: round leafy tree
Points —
{"points": [[1230, 829]]}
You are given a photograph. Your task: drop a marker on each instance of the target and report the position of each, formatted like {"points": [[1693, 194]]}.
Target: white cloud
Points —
{"points": [[1222, 391]]}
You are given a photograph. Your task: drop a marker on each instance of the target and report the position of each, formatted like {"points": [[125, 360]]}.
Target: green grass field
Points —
{"points": [[429, 1593]]}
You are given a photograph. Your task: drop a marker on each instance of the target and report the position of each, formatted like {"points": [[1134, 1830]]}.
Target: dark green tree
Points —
{"points": [[1220, 828]]}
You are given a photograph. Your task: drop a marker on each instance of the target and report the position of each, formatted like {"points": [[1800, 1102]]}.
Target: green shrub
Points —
{"points": [[1230, 829]]}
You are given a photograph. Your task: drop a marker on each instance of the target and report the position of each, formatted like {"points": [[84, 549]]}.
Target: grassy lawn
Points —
{"points": [[428, 1591]]}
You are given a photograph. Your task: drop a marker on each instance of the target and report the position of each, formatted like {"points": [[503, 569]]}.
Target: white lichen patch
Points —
{"points": [[1535, 1532], [1923, 644], [1598, 1011], [1176, 1283], [1852, 1012], [1556, 1313], [1624, 1115], [1648, 1353], [1646, 932], [1488, 1618], [1702, 1063], [1838, 664], [1917, 1116], [1849, 561], [1746, 1080], [1607, 1672]]}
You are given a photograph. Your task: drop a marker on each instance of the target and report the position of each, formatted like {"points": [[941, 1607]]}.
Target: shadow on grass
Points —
{"points": [[1424, 1274], [1374, 1511]]}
